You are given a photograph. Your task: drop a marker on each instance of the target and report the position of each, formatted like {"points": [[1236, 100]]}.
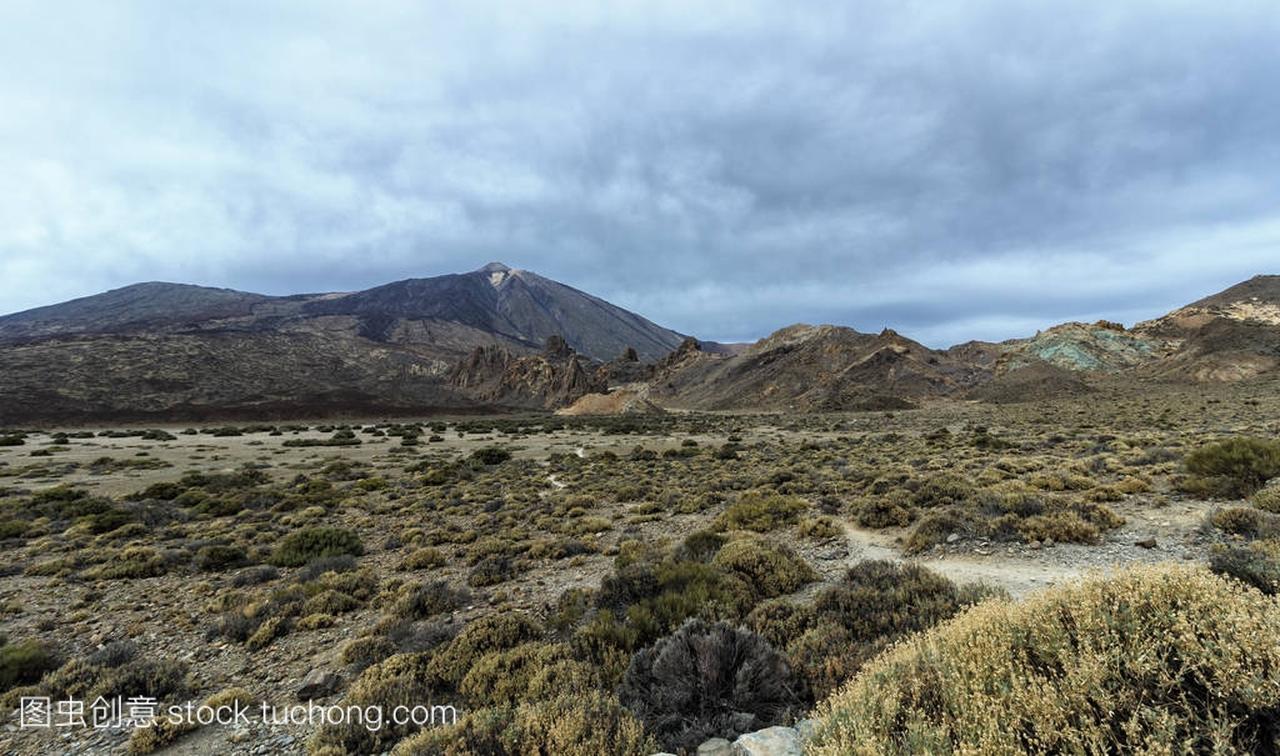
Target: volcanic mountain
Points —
{"points": [[161, 349]]}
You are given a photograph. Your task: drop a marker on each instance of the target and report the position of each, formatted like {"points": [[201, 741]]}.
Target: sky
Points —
{"points": [[954, 170]]}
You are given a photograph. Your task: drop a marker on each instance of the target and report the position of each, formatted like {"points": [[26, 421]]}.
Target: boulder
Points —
{"points": [[773, 741], [317, 684]]}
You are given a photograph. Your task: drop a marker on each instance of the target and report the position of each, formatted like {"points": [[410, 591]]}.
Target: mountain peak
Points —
{"points": [[495, 267]]}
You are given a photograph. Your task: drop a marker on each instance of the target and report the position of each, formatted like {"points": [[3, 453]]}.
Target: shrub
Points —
{"points": [[941, 491], [1246, 522], [1268, 498], [129, 563], [141, 677], [1169, 659], [874, 604], [491, 455], [267, 632], [428, 599], [527, 672], [491, 570], [1063, 527], [220, 557], [770, 570], [24, 663], [423, 559], [1256, 564], [780, 621], [163, 732], [302, 546], [330, 602], [699, 546], [933, 529], [708, 681], [819, 528], [586, 724], [494, 632], [885, 512], [761, 513], [401, 680], [365, 652], [316, 568], [1232, 469]]}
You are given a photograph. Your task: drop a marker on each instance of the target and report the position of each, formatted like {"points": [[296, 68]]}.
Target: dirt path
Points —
{"points": [[1020, 570]]}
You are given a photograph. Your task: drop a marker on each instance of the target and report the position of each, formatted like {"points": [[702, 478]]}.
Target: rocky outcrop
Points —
{"points": [[555, 378]]}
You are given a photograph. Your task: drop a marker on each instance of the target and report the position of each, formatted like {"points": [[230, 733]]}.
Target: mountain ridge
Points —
{"points": [[503, 338]]}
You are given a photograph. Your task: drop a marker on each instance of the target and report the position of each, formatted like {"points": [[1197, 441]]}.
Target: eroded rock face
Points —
{"points": [[555, 378]]}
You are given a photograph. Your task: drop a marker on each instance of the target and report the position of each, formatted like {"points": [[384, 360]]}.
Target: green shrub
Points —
{"points": [[302, 546], [130, 563], [367, 651], [1170, 660], [942, 491], [220, 557], [159, 734], [402, 680], [1232, 469], [708, 680], [699, 546], [160, 679], [422, 600], [24, 663], [769, 570], [891, 510], [761, 513], [491, 455], [491, 570], [494, 632]]}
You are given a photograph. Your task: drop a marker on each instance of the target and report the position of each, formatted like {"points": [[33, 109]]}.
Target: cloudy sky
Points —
{"points": [[952, 169]]}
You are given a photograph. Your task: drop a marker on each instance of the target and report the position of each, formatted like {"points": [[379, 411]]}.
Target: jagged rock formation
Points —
{"points": [[624, 369], [494, 376]]}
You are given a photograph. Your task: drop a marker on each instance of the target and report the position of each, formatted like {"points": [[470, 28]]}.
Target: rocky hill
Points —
{"points": [[808, 368]]}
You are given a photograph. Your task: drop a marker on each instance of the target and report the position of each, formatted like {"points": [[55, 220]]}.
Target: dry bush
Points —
{"points": [[590, 724], [1169, 659]]}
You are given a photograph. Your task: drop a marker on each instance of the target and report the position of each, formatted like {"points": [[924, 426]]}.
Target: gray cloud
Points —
{"points": [[953, 170]]}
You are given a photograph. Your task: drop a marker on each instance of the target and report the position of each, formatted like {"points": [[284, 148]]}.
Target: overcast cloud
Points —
{"points": [[951, 169]]}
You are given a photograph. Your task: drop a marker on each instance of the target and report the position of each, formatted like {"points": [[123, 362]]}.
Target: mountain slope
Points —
{"points": [[153, 348], [518, 305], [153, 305], [808, 368]]}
